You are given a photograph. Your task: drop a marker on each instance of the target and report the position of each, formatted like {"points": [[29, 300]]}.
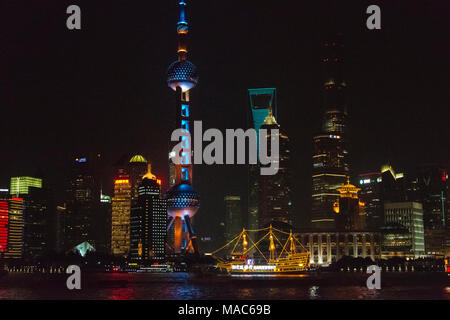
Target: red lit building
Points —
{"points": [[3, 225]]}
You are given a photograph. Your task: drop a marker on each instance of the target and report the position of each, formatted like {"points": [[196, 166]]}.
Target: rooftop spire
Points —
{"points": [[182, 30], [149, 174], [270, 119]]}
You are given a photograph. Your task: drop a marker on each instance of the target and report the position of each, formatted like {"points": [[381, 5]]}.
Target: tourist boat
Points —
{"points": [[245, 259], [156, 268]]}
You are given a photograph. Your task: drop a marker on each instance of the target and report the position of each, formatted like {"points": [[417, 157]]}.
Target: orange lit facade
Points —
{"points": [[121, 209], [15, 229], [350, 213]]}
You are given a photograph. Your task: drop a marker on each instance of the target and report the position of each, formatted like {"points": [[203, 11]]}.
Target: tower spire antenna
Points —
{"points": [[182, 30], [182, 11]]}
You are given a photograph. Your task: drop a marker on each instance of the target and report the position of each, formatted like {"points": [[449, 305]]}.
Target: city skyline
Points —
{"points": [[123, 123], [63, 116]]}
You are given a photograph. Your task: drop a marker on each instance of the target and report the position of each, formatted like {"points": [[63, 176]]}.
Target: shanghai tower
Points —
{"points": [[330, 156], [182, 199]]}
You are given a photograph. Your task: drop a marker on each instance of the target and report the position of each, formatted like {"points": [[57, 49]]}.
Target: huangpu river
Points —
{"points": [[184, 286]]}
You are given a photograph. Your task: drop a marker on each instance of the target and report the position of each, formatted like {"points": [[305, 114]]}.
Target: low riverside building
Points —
{"points": [[327, 247]]}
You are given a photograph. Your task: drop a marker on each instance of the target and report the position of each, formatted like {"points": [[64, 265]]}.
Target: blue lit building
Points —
{"points": [[261, 100]]}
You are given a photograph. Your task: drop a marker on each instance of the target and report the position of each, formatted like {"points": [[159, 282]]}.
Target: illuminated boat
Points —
{"points": [[245, 259], [156, 268]]}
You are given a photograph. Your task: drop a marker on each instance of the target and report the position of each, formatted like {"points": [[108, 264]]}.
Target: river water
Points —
{"points": [[183, 286]]}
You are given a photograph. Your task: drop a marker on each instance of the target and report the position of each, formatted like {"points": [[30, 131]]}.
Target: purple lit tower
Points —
{"points": [[182, 199]]}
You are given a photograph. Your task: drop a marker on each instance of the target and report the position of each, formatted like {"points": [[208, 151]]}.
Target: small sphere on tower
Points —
{"points": [[183, 74]]}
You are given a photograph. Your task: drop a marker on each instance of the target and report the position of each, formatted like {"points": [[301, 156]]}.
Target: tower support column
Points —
{"points": [[178, 234]]}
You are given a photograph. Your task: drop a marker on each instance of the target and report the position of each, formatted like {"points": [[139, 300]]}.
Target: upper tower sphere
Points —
{"points": [[183, 74]]}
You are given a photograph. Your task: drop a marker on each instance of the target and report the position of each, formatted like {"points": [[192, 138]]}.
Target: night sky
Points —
{"points": [[103, 89]]}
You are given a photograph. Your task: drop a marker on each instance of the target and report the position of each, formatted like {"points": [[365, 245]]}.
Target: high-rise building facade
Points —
{"points": [[261, 101], [82, 202], [120, 220], [330, 155], [377, 188], [370, 194], [21, 185], [432, 190], [275, 199], [102, 225], [233, 217], [4, 220], [148, 223], [350, 213], [137, 167], [38, 215], [429, 185], [15, 229], [182, 199], [406, 216]]}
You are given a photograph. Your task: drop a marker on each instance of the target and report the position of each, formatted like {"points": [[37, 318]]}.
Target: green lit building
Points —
{"points": [[21, 185]]}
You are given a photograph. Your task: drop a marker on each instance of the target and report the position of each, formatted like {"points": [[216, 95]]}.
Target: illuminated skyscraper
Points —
{"points": [[37, 215], [261, 100], [350, 214], [429, 185], [126, 195], [378, 187], [148, 222], [433, 192], [233, 217], [120, 221], [103, 225], [82, 199], [370, 194], [330, 166], [4, 220], [15, 229], [275, 199], [137, 168], [21, 185], [182, 199], [405, 216]]}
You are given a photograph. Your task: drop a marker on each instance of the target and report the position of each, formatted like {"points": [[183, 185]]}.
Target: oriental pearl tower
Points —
{"points": [[182, 199]]}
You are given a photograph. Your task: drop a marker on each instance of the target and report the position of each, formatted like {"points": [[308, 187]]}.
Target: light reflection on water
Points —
{"points": [[122, 294], [182, 286], [279, 276]]}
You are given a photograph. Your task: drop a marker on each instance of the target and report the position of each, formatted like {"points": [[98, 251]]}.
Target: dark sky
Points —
{"points": [[102, 89]]}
